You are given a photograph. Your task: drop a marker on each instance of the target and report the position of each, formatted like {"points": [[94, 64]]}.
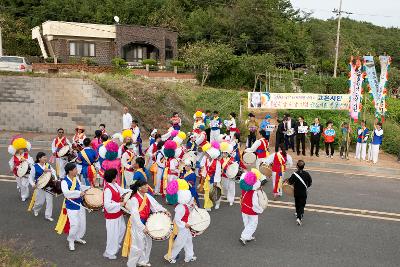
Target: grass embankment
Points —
{"points": [[391, 128], [153, 103], [11, 255]]}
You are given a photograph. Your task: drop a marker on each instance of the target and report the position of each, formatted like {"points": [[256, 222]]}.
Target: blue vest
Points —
{"points": [[377, 140], [39, 171], [68, 204]]}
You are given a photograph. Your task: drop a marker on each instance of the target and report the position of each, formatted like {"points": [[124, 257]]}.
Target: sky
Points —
{"points": [[382, 13]]}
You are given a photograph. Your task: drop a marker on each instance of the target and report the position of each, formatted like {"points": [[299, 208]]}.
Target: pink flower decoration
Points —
{"points": [[172, 187], [215, 144], [170, 145], [174, 133], [250, 178], [112, 146]]}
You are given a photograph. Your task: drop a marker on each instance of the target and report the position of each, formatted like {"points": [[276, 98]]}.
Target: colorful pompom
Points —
{"points": [[172, 199], [20, 143], [112, 146], [250, 178], [127, 133], [170, 145], [257, 173], [244, 186], [206, 147], [169, 153], [215, 144], [182, 135], [198, 114], [224, 147], [182, 184], [174, 133], [172, 187], [111, 155]]}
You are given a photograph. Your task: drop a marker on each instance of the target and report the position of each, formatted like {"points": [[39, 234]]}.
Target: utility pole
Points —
{"points": [[339, 14]]}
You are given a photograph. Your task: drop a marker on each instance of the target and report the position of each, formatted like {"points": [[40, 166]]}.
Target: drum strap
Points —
{"points": [[85, 156], [301, 180], [59, 141]]}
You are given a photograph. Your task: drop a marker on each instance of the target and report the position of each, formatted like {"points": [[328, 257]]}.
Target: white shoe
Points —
{"points": [[169, 260], [217, 206], [49, 219], [194, 258], [35, 213], [110, 257], [23, 199], [71, 245], [242, 241], [251, 239], [208, 209], [231, 204], [298, 222], [144, 264], [81, 241]]}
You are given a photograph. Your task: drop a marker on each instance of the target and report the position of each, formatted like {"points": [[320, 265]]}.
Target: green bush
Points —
{"points": [[177, 63], [313, 83], [89, 61], [118, 62], [149, 61]]}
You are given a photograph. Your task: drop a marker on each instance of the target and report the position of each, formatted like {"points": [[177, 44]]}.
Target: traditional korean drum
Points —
{"points": [[199, 220], [44, 180], [266, 170], [63, 151], [288, 188], [93, 199], [232, 170], [249, 158], [159, 225], [128, 204], [23, 169]]}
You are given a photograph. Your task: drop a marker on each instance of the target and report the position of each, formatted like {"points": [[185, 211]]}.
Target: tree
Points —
{"points": [[208, 58]]}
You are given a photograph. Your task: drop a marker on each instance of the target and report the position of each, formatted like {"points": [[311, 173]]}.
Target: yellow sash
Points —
{"points": [[126, 247], [62, 219], [280, 158], [85, 156], [165, 179]]}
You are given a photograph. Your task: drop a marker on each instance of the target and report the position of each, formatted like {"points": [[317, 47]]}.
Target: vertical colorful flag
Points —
{"points": [[377, 88], [356, 78]]}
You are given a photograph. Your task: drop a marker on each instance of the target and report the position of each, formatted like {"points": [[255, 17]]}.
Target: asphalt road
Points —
{"points": [[351, 221]]}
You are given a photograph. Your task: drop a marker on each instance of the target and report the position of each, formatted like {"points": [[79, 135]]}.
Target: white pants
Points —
{"points": [[373, 152], [250, 226], [214, 135], [77, 223], [42, 197], [228, 186], [273, 177], [60, 165], [23, 185], [140, 247], [361, 150], [159, 175], [115, 234], [184, 241]]}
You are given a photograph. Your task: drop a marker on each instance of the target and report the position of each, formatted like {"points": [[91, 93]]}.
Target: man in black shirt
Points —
{"points": [[280, 134], [300, 180]]}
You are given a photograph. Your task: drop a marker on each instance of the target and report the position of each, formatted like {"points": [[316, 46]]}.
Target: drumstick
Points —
{"points": [[127, 211], [89, 210]]}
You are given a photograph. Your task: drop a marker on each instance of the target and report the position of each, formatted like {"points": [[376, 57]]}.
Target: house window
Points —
{"points": [[82, 49]]}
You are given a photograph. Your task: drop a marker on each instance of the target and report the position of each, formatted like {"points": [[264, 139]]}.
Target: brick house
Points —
{"points": [[71, 41]]}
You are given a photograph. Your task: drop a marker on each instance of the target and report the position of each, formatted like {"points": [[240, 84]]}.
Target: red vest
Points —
{"points": [[168, 165], [115, 196], [247, 202], [211, 167], [131, 155], [230, 161], [144, 213], [17, 162], [60, 143], [185, 217], [261, 151], [276, 166]]}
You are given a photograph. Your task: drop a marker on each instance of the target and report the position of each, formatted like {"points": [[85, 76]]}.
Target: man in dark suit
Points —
{"points": [[300, 137], [301, 181], [289, 132], [280, 134]]}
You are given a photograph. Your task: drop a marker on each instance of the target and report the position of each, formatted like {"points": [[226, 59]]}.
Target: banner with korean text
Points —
{"points": [[260, 100]]}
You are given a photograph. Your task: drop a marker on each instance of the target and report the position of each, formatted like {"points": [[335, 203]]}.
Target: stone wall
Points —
{"points": [[44, 104]]}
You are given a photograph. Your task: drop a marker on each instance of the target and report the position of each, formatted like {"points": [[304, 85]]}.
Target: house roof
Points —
{"points": [[76, 29]]}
